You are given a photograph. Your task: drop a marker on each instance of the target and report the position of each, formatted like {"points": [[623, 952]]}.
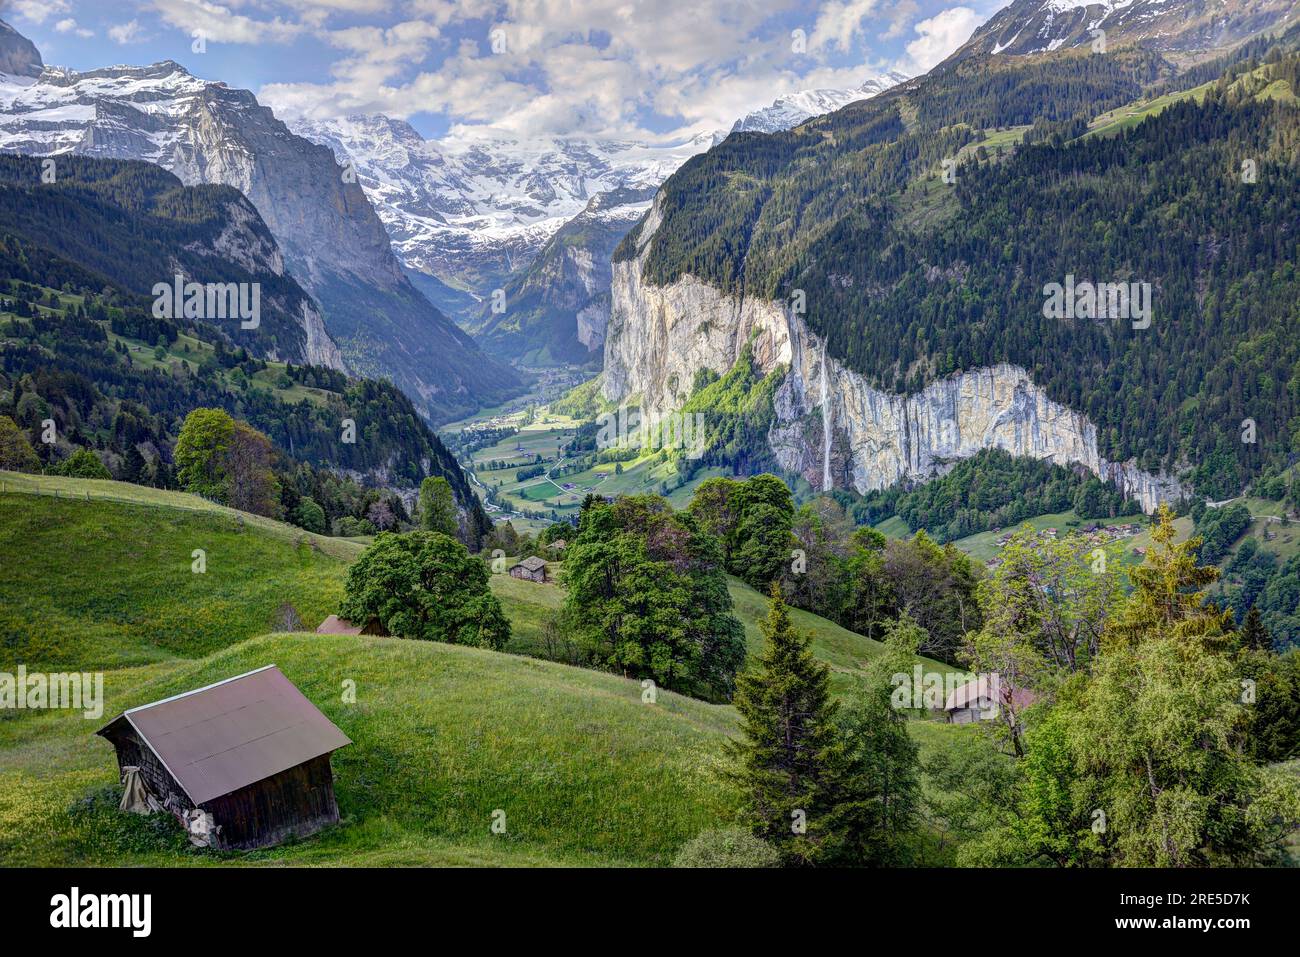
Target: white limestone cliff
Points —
{"points": [[658, 337]]}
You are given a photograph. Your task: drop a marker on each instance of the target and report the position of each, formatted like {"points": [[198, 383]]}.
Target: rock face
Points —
{"points": [[333, 242], [137, 226], [856, 436], [1186, 27], [471, 214], [556, 310], [18, 55]]}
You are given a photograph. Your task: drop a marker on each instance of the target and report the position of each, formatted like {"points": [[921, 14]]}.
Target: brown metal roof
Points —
{"points": [[334, 625], [226, 736]]}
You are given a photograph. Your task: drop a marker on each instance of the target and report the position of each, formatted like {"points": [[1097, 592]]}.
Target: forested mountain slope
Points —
{"points": [[80, 344], [866, 274], [132, 225]]}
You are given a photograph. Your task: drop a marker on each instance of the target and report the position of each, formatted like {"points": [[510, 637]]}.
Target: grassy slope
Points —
{"points": [[586, 772], [95, 583]]}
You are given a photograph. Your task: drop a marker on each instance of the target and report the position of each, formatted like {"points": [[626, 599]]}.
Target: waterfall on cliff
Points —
{"points": [[826, 428]]}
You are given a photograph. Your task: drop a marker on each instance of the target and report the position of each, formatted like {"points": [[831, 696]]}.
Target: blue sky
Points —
{"points": [[635, 68]]}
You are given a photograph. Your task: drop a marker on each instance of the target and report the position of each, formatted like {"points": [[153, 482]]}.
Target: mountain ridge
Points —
{"points": [[334, 242]]}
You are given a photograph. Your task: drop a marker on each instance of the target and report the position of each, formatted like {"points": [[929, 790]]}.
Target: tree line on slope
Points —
{"points": [[1149, 739], [58, 362], [837, 780]]}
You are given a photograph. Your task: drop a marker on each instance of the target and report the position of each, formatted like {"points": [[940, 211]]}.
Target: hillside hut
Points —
{"points": [[983, 700], [242, 763], [334, 625], [532, 569]]}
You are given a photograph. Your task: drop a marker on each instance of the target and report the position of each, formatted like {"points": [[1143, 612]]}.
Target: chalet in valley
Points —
{"points": [[533, 569], [242, 763], [983, 699]]}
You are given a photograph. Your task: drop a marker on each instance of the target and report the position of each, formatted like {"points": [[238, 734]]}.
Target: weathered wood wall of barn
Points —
{"points": [[132, 751], [293, 803]]}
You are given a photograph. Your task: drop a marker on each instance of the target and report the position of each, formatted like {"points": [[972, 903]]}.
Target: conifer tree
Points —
{"points": [[1254, 635], [1169, 593], [785, 762]]}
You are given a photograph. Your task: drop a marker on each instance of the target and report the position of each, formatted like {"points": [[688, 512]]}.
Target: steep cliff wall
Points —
{"points": [[857, 436]]}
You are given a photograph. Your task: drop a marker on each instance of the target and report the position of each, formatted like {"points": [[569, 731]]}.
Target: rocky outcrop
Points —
{"points": [[18, 55], [557, 309], [1179, 27], [831, 425]]}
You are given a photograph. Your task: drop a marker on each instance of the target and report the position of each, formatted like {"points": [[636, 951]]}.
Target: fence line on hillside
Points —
{"points": [[86, 496], [218, 509]]}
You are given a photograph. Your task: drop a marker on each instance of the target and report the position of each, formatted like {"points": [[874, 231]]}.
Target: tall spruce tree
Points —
{"points": [[786, 760], [1254, 635], [1169, 593]]}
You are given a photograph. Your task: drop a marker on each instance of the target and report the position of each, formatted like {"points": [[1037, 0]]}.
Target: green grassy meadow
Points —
{"points": [[585, 771], [564, 494]]}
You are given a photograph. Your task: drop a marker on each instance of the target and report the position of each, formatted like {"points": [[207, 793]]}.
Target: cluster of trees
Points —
{"points": [[425, 585], [1219, 529], [1159, 720], [824, 564], [751, 519], [825, 782], [1148, 738], [647, 596], [227, 460], [860, 579], [992, 489], [1259, 583]]}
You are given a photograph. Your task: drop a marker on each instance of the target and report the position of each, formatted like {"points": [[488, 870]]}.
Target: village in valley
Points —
{"points": [[1094, 533]]}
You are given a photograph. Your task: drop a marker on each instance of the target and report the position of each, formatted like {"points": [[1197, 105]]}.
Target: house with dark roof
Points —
{"points": [[242, 763], [983, 699], [532, 569]]}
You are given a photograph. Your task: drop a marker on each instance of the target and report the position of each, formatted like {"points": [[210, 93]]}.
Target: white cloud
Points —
{"points": [[37, 11], [939, 36], [221, 24], [69, 25], [595, 67], [839, 22], [129, 32]]}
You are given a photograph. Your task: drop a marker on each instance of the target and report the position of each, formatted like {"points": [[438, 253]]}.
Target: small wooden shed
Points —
{"points": [[983, 700], [532, 569], [334, 625], [242, 763]]}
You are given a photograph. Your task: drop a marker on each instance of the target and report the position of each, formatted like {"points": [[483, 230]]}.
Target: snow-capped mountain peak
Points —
{"points": [[1180, 26], [471, 210], [792, 109]]}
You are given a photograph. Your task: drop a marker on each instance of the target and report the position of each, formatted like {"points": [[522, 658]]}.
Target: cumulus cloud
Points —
{"points": [[128, 32], [221, 24], [69, 25], [35, 11], [643, 68], [839, 21], [939, 36]]}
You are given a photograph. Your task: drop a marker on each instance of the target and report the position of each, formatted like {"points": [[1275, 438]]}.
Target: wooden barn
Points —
{"points": [[242, 763], [532, 569], [983, 700], [334, 625]]}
